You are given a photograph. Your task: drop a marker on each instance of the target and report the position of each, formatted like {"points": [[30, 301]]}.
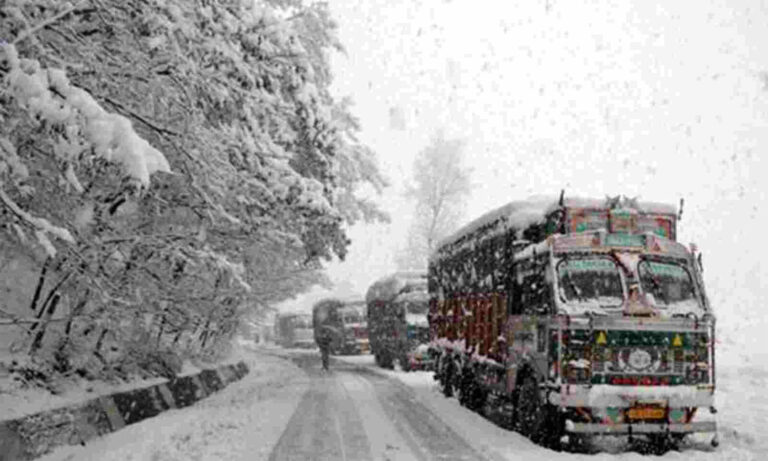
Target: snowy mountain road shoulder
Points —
{"points": [[350, 413], [286, 408]]}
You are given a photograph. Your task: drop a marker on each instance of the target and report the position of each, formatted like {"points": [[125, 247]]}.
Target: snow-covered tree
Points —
{"points": [[170, 164], [440, 187]]}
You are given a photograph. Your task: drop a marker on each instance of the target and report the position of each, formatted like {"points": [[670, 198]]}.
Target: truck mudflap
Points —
{"points": [[640, 428]]}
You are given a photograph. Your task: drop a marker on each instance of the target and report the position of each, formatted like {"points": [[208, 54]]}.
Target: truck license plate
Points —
{"points": [[646, 413]]}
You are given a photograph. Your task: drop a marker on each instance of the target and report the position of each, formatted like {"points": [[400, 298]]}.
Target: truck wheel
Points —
{"points": [[537, 419], [465, 388], [385, 360], [448, 372], [471, 395], [581, 443], [659, 444], [404, 362]]}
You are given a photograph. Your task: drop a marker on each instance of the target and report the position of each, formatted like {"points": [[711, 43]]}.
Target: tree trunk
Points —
{"points": [[162, 329], [40, 283], [99, 343], [76, 310], [206, 333], [41, 333], [51, 294]]}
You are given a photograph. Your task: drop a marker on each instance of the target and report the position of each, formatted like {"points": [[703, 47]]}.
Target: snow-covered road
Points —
{"points": [[288, 409], [352, 414]]}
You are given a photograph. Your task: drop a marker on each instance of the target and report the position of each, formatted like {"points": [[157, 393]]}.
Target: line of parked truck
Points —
{"points": [[573, 317], [390, 323]]}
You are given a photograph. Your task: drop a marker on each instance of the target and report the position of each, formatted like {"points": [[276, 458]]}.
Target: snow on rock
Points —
{"points": [[188, 368]]}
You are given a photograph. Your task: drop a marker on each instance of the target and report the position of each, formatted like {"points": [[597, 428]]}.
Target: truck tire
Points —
{"points": [[471, 393], [449, 371], [384, 359]]}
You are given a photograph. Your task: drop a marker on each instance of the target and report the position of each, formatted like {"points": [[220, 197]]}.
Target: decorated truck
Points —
{"points": [[294, 330], [347, 322], [575, 317], [397, 317], [327, 317], [355, 327]]}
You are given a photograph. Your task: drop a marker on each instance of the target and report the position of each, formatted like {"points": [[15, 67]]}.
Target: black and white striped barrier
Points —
{"points": [[31, 436]]}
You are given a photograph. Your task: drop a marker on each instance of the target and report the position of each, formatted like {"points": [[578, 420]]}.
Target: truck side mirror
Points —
{"points": [[701, 266]]}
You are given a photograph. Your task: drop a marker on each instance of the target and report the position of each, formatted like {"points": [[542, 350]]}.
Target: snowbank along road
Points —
{"points": [[286, 408]]}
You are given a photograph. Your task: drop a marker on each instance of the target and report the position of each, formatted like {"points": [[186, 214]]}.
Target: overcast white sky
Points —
{"points": [[594, 97]]}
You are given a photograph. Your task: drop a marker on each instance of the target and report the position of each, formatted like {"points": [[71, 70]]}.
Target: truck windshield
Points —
{"points": [[301, 322], [669, 283], [590, 280], [353, 317]]}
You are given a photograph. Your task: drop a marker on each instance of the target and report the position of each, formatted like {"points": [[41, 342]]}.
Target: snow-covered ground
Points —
{"points": [[241, 422], [247, 419], [742, 402], [17, 401]]}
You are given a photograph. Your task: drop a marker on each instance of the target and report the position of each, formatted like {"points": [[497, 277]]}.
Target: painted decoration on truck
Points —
{"points": [[656, 224], [584, 219], [623, 221]]}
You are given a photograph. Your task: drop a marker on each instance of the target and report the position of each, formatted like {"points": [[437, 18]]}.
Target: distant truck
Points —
{"points": [[294, 330], [576, 317], [346, 321], [326, 317], [355, 324], [397, 317]]}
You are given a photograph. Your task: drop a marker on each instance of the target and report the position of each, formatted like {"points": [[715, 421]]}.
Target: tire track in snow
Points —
{"points": [[351, 413], [326, 424], [436, 440], [386, 440]]}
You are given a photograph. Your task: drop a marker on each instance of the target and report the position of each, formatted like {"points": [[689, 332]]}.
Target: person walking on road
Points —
{"points": [[324, 342]]}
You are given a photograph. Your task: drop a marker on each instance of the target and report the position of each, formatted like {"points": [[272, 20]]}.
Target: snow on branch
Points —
{"points": [[48, 94], [236, 270], [41, 225]]}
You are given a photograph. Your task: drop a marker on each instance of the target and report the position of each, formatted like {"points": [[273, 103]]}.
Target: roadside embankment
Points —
{"points": [[31, 436]]}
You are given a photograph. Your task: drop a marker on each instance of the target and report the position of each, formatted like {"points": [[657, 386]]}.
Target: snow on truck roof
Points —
{"points": [[523, 213], [389, 287]]}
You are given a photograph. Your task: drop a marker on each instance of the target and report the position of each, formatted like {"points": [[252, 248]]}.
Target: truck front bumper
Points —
{"points": [[641, 428], [603, 395]]}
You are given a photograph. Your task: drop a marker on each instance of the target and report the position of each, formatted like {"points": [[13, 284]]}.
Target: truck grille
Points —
{"points": [[648, 358]]}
